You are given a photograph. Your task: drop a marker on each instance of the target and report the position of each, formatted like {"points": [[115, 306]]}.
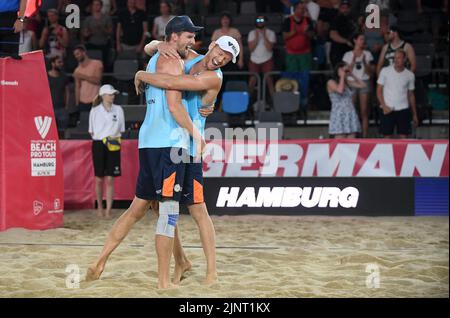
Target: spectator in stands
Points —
{"points": [[28, 41], [106, 124], [196, 7], [55, 37], [286, 7], [312, 10], [375, 37], [344, 121], [395, 93], [109, 7], [388, 52], [177, 6], [360, 63], [59, 90], [84, 6], [260, 43], [433, 11], [141, 5], [297, 33], [131, 29], [227, 29], [328, 12], [97, 31], [268, 6], [342, 29], [160, 22], [88, 77], [359, 8]]}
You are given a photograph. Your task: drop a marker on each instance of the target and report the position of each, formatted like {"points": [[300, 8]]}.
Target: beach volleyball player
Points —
{"points": [[131, 216], [201, 85], [164, 133]]}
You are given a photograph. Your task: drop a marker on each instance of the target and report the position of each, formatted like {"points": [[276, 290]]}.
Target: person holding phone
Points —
{"points": [[344, 121]]}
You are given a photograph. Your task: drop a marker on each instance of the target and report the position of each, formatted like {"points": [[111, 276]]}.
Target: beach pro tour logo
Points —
{"points": [[43, 151], [43, 126], [288, 197]]}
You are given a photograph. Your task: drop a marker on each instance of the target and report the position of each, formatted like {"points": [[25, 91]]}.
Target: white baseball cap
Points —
{"points": [[229, 44], [107, 89]]}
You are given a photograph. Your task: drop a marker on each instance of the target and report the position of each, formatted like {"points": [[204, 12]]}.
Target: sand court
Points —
{"points": [[257, 256]]}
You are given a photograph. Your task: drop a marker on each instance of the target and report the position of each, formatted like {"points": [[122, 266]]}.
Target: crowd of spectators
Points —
{"points": [[312, 35]]}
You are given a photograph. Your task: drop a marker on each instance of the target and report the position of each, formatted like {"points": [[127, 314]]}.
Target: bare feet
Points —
{"points": [[100, 213], [108, 215], [210, 279], [94, 272], [180, 269], [167, 286]]}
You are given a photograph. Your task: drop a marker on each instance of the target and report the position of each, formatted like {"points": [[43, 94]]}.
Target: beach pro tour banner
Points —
{"points": [[31, 169]]}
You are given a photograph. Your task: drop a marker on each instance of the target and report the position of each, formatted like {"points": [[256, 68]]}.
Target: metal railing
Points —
{"points": [[258, 79]]}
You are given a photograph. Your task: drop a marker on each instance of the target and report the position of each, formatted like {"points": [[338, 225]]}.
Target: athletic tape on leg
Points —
{"points": [[169, 212]]}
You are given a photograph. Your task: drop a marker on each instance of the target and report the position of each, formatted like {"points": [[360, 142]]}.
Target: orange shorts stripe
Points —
{"points": [[168, 184], [198, 192]]}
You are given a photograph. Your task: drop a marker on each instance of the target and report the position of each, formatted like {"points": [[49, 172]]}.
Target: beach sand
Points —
{"points": [[257, 256]]}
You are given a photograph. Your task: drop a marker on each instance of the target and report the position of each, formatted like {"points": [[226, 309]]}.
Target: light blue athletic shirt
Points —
{"points": [[194, 102], [159, 129]]}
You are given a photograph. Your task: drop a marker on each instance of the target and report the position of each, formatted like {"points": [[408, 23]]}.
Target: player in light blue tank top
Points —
{"points": [[194, 102], [159, 129], [201, 83]]}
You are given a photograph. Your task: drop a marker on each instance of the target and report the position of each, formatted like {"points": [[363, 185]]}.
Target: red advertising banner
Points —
{"points": [[291, 158], [31, 169], [328, 158], [79, 186]]}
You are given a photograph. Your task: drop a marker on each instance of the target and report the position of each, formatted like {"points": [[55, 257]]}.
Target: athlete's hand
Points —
{"points": [[199, 149], [167, 51], [206, 111], [138, 83]]}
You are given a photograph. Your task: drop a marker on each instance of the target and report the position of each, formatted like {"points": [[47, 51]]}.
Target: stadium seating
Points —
{"points": [[236, 86], [124, 70], [95, 54], [424, 65], [216, 121], [268, 121], [235, 102], [248, 7], [286, 102], [134, 114]]}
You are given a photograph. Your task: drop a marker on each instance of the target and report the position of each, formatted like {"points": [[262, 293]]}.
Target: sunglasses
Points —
{"points": [[260, 20]]}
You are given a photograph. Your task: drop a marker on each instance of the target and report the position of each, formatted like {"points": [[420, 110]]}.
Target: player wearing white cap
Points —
{"points": [[201, 84]]}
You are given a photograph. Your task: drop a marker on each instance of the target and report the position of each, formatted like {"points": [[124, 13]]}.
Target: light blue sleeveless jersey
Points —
{"points": [[159, 129], [194, 102]]}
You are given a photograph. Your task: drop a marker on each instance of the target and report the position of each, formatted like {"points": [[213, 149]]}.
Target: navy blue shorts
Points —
{"points": [[159, 176], [193, 184], [400, 119]]}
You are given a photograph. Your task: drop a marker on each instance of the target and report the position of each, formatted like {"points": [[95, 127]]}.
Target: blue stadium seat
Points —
{"points": [[235, 102]]}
